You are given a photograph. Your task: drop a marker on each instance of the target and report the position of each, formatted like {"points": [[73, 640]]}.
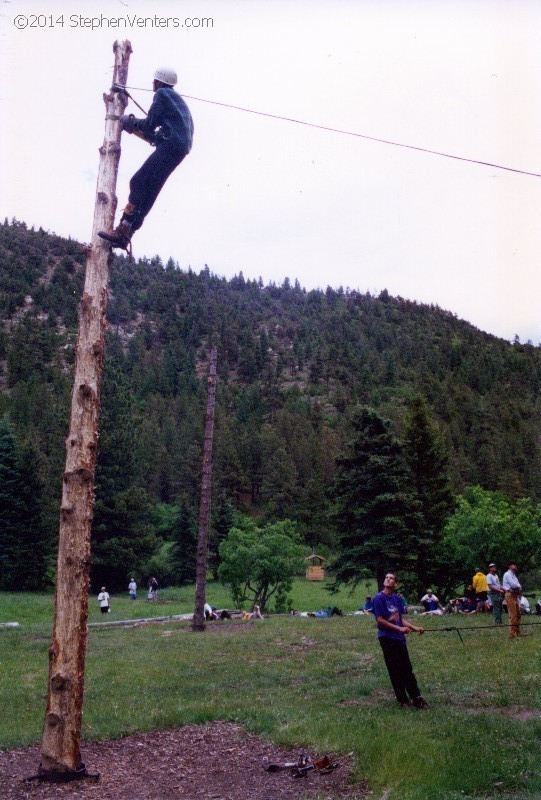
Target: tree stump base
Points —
{"points": [[66, 776]]}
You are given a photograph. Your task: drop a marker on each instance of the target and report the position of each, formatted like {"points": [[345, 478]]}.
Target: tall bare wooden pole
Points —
{"points": [[60, 753], [204, 507]]}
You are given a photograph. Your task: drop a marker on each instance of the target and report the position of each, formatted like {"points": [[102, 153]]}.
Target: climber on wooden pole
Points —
{"points": [[60, 753], [169, 128]]}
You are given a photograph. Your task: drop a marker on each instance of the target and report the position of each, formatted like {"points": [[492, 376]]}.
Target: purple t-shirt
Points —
{"points": [[391, 609]]}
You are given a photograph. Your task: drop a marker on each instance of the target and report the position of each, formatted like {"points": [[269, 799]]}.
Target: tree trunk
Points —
{"points": [[204, 508], [60, 751]]}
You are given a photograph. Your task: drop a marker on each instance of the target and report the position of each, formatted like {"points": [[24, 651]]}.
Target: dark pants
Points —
{"points": [[148, 181], [496, 599], [400, 670]]}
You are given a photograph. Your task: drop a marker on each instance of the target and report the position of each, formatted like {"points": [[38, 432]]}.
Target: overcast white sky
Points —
{"points": [[275, 199]]}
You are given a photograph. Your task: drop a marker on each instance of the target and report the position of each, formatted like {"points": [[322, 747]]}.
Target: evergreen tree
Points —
{"points": [[223, 519], [184, 549], [375, 510], [279, 485], [429, 466], [122, 537], [24, 544], [11, 505]]}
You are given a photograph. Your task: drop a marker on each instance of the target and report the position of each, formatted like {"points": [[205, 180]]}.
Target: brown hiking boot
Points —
{"points": [[120, 237]]}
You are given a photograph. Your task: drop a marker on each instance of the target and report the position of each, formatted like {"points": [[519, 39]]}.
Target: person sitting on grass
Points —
{"points": [[467, 606], [368, 607], [453, 606], [209, 611], [431, 603], [524, 605], [255, 614]]}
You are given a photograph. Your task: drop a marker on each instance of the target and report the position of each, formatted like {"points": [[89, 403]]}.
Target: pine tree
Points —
{"points": [[184, 549], [223, 519], [35, 546], [11, 504], [374, 510], [279, 485], [122, 537], [24, 544], [428, 462]]}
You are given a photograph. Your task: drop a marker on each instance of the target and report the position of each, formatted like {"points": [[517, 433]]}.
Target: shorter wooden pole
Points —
{"points": [[204, 508]]}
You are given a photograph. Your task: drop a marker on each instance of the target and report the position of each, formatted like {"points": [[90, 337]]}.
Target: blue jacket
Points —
{"points": [[168, 119]]}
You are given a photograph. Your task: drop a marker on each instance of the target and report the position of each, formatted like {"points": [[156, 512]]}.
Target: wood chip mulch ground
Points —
{"points": [[219, 761]]}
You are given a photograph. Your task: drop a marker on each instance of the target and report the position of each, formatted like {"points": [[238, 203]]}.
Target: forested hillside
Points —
{"points": [[292, 366]]}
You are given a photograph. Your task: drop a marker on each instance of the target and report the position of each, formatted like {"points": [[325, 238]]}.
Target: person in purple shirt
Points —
{"points": [[392, 631]]}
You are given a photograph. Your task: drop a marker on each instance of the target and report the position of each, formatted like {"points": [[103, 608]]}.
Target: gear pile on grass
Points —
{"points": [[219, 761]]}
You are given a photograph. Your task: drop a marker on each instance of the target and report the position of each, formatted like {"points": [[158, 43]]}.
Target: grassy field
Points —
{"points": [[300, 681]]}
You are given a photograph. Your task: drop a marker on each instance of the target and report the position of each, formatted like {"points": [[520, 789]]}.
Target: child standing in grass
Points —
{"points": [[392, 630], [103, 600]]}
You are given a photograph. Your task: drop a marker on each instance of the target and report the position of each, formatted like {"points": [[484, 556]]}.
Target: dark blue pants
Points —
{"points": [[400, 670], [148, 181]]}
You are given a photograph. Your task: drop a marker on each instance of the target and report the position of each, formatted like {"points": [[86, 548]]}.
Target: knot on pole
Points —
{"points": [[83, 474], [53, 720], [85, 390], [59, 683], [86, 301]]}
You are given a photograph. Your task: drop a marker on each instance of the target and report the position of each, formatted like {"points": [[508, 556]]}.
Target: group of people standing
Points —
{"points": [[509, 590], [487, 593], [104, 597]]}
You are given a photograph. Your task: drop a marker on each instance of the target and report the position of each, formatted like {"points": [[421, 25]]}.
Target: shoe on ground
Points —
{"points": [[420, 703]]}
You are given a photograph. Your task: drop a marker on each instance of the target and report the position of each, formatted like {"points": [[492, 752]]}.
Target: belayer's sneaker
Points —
{"points": [[420, 703]]}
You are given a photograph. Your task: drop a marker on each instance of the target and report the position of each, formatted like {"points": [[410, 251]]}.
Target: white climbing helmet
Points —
{"points": [[166, 75]]}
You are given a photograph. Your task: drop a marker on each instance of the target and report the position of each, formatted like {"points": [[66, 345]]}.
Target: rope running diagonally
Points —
{"points": [[352, 133]]}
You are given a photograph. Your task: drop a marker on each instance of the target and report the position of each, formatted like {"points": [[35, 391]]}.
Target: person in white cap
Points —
{"points": [[103, 600], [169, 128]]}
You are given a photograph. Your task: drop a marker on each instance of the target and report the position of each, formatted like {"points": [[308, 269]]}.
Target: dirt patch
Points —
{"points": [[302, 645], [515, 712], [219, 761]]}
